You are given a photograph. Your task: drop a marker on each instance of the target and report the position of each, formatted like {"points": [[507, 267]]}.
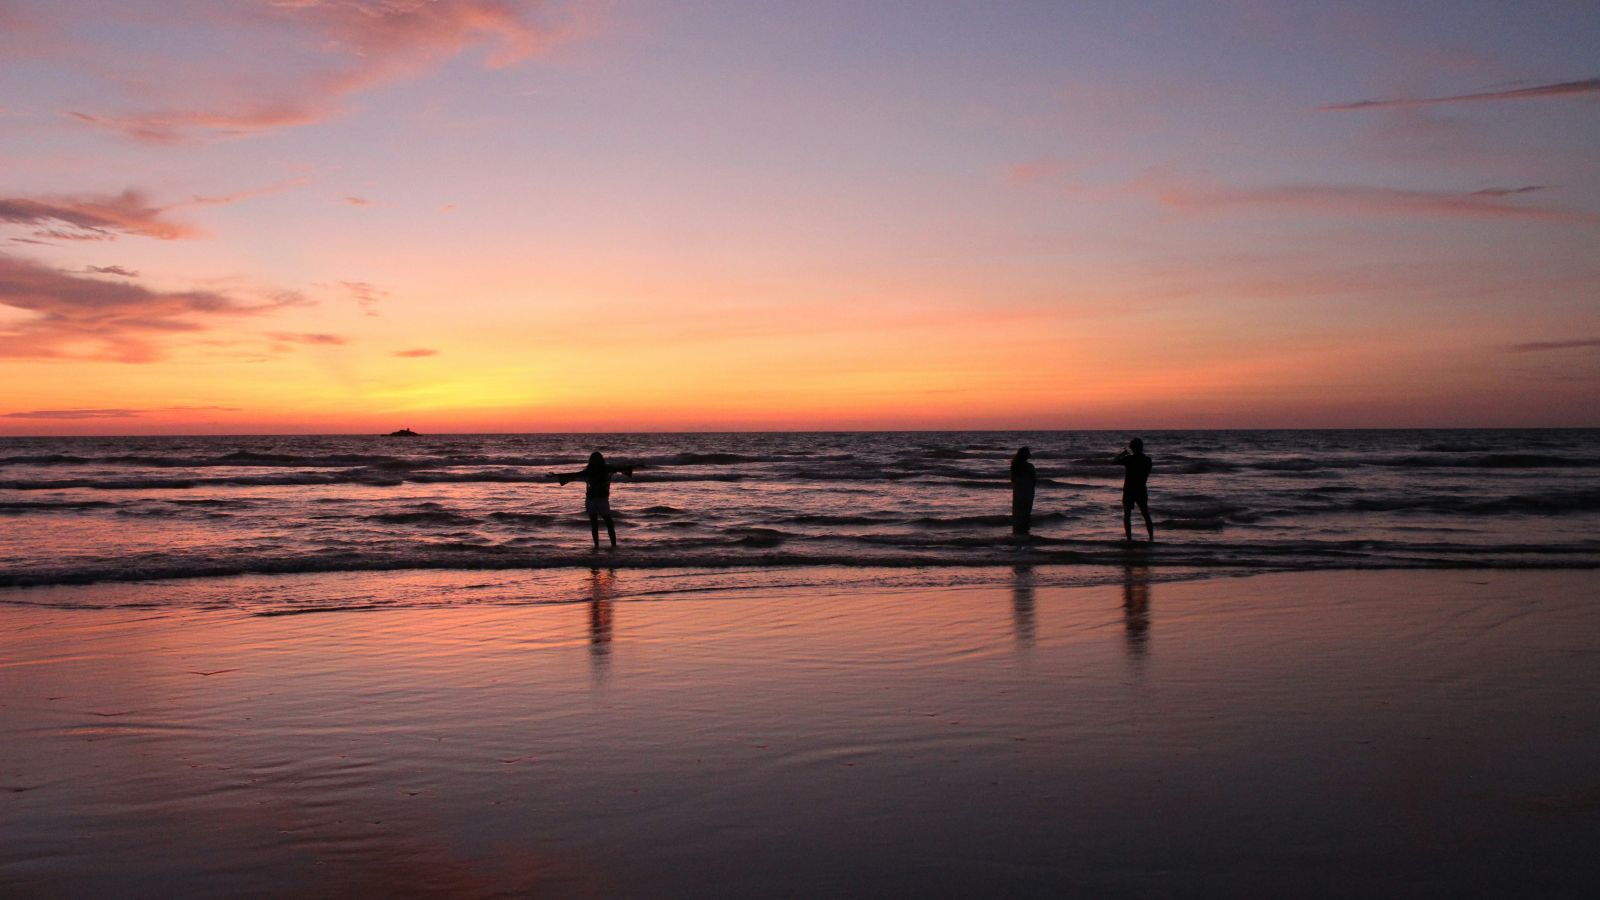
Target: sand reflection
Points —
{"points": [[602, 588], [1136, 608], [1023, 622]]}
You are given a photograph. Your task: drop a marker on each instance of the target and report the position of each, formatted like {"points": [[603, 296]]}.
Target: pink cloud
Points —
{"points": [[306, 337], [358, 201], [351, 45], [93, 218], [74, 317], [1485, 203], [366, 295], [418, 353], [1034, 171], [112, 270], [1557, 89]]}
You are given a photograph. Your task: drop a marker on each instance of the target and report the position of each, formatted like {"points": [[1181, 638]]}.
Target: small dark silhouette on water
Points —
{"points": [[596, 477], [1135, 487], [1023, 480], [404, 432]]}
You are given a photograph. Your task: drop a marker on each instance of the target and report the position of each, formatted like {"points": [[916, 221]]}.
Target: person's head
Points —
{"points": [[595, 459], [1022, 455], [1136, 445]]}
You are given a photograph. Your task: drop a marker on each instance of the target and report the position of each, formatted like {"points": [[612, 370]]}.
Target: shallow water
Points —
{"points": [[1319, 734], [123, 509]]}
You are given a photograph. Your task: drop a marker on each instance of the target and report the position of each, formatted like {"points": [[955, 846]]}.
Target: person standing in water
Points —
{"points": [[1135, 487], [1023, 479], [596, 477]]}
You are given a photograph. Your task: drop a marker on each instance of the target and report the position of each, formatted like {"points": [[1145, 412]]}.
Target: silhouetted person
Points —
{"points": [[596, 477], [1023, 479], [1135, 487]]}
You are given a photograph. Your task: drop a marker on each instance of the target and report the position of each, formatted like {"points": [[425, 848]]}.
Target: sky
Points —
{"points": [[308, 216]]}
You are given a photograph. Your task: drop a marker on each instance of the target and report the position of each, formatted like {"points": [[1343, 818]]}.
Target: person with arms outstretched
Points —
{"points": [[1135, 487], [1023, 479], [596, 477]]}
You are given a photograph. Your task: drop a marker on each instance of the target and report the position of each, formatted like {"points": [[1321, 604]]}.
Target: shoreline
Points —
{"points": [[1116, 555]]}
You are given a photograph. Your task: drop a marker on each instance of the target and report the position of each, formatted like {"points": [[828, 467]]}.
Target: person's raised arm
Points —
{"points": [[625, 470], [564, 477]]}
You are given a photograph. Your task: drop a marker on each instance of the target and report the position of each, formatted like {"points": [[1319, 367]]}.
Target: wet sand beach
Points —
{"points": [[1338, 734]]}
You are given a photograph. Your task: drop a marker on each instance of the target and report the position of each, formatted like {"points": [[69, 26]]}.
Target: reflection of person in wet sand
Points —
{"points": [[1022, 615], [1023, 479], [1136, 607], [596, 477], [1135, 487], [601, 587]]}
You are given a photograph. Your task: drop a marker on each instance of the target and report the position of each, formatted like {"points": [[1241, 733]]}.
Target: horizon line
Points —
{"points": [[1127, 430]]}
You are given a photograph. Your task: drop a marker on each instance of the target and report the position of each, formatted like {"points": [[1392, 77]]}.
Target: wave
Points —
{"points": [[18, 507], [768, 548], [1490, 461], [439, 517], [764, 551], [1545, 503], [258, 459], [827, 519]]}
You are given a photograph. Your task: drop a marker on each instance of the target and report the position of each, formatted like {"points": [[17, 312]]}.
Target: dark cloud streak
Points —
{"points": [[1557, 89], [1542, 346], [114, 413], [1490, 203]]}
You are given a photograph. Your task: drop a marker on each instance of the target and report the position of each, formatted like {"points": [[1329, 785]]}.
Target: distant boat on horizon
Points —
{"points": [[404, 432]]}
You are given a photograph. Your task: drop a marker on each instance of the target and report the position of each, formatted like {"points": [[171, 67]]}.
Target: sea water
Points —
{"points": [[120, 509]]}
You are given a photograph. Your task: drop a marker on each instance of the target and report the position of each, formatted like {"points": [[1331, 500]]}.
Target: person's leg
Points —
{"points": [[1149, 527], [594, 529], [1127, 520], [611, 531]]}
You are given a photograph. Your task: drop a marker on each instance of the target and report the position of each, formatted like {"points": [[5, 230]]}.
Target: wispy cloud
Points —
{"points": [[72, 316], [115, 413], [366, 295], [74, 414], [112, 270], [1557, 89], [418, 353], [94, 218], [357, 201], [1034, 170], [307, 337], [1541, 346], [352, 45], [1494, 202], [237, 196]]}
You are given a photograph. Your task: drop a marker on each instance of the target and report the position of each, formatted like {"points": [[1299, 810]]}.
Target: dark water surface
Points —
{"points": [[126, 509]]}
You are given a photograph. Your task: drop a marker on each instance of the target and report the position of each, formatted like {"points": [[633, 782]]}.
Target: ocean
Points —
{"points": [[132, 509]]}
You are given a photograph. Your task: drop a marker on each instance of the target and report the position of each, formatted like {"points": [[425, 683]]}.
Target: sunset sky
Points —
{"points": [[481, 215]]}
